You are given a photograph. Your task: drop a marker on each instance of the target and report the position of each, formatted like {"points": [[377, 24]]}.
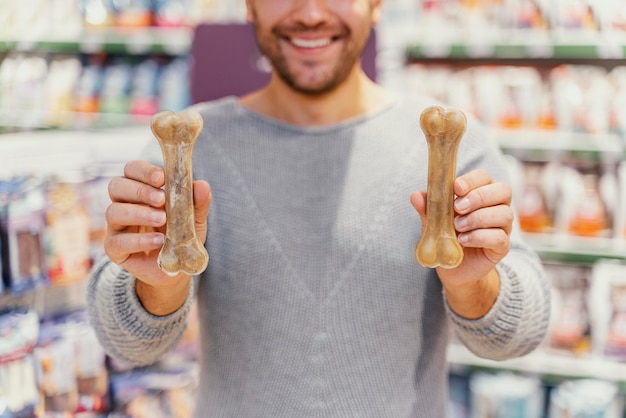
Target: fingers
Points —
{"points": [[500, 216], [202, 201], [141, 184], [137, 200], [471, 181], [120, 216], [418, 200], [145, 172], [476, 189], [485, 218], [484, 215], [485, 207], [118, 247]]}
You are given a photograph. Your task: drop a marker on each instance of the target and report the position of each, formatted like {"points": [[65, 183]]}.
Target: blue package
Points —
{"points": [[24, 228]]}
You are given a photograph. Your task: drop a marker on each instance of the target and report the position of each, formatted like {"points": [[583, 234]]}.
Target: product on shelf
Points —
{"points": [[23, 89], [22, 230], [19, 395], [161, 13], [173, 85], [532, 207], [585, 398], [72, 376], [97, 197], [590, 217], [505, 394], [156, 392], [97, 13], [486, 20], [63, 75], [68, 245], [570, 325], [132, 13], [608, 310], [576, 14], [63, 92], [566, 199], [173, 13], [529, 14], [620, 212], [144, 89], [581, 96], [87, 94], [115, 90], [584, 99]]}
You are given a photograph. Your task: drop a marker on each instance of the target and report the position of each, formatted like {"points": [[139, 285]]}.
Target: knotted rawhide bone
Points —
{"points": [[177, 134], [438, 245]]}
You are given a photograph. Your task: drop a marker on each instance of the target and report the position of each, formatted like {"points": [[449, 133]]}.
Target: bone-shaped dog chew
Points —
{"points": [[438, 245], [177, 134]]}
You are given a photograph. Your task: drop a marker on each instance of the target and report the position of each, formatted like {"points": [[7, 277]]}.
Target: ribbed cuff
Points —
{"points": [[118, 288], [504, 316]]}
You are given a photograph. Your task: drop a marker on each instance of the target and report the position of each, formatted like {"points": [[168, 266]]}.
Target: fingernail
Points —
{"points": [[155, 177], [157, 196], [463, 238], [462, 204], [463, 184], [158, 240], [158, 217], [460, 222]]}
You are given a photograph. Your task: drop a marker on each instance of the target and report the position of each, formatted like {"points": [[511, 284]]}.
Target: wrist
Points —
{"points": [[473, 300], [163, 300]]}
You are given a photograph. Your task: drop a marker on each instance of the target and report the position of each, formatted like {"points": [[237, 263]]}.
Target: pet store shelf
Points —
{"points": [[148, 40], [537, 145], [544, 363], [522, 45], [566, 248]]}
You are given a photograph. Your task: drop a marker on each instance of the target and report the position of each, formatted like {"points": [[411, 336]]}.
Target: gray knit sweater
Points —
{"points": [[313, 304]]}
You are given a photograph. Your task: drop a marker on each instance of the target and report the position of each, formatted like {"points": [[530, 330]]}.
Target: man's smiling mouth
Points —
{"points": [[311, 43]]}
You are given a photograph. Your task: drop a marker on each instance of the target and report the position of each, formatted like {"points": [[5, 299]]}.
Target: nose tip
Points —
{"points": [[311, 12]]}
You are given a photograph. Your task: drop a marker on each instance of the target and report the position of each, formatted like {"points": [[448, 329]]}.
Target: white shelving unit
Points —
{"points": [[542, 362]]}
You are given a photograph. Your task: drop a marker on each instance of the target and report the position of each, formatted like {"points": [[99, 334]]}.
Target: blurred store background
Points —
{"points": [[79, 80]]}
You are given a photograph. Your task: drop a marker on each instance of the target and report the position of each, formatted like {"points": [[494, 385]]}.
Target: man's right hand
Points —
{"points": [[136, 232]]}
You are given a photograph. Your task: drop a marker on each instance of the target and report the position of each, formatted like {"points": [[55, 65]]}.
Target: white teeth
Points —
{"points": [[310, 43]]}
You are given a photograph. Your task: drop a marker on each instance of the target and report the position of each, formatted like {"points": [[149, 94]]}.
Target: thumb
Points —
{"points": [[201, 201], [418, 200]]}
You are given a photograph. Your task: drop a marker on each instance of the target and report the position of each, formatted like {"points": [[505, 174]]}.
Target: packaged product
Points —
{"points": [[156, 392], [506, 394], [590, 216], [132, 13], [570, 325], [608, 310], [19, 395], [144, 88], [87, 93], [115, 91], [61, 84], [97, 13], [71, 371], [68, 229], [23, 231], [532, 204], [172, 13], [585, 398], [173, 83]]}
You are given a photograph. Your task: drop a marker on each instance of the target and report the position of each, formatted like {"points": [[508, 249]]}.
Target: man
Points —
{"points": [[313, 304]]}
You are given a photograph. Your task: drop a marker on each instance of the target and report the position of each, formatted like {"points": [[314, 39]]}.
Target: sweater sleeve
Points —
{"points": [[518, 320], [125, 329]]}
